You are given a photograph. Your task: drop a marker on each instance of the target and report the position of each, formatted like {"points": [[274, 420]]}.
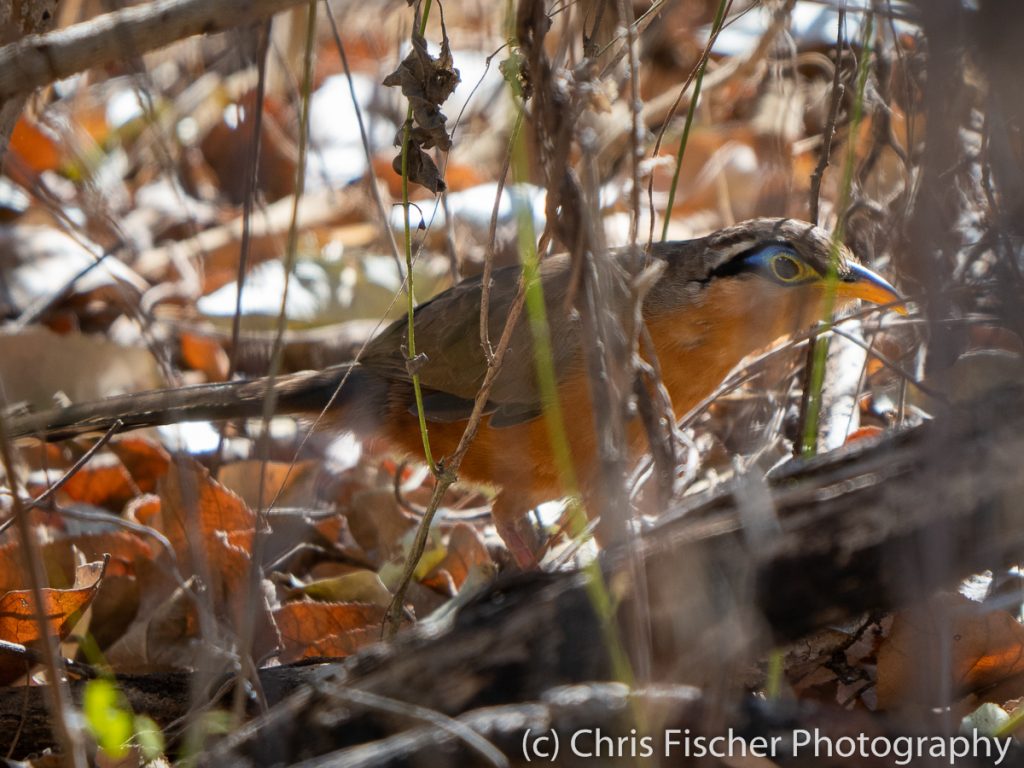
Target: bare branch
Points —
{"points": [[38, 60]]}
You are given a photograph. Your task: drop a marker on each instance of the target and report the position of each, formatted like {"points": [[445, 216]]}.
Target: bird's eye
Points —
{"points": [[785, 268]]}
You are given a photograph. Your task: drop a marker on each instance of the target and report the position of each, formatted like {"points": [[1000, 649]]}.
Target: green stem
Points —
{"points": [[716, 26], [816, 380], [543, 360], [409, 288], [444, 480]]}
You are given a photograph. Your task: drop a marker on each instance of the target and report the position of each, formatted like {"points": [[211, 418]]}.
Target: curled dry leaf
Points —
{"points": [[119, 549], [426, 82], [122, 549], [61, 607]]}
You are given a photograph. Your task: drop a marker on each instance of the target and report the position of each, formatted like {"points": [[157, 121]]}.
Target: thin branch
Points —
{"points": [[365, 140], [248, 623], [445, 479], [251, 191], [39, 60], [58, 697], [830, 125], [485, 281], [86, 457], [716, 27]]}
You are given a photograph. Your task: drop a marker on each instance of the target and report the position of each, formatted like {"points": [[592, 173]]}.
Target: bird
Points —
{"points": [[717, 300]]}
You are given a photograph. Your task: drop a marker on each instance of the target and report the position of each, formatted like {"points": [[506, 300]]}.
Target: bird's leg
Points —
{"points": [[521, 539], [515, 529]]}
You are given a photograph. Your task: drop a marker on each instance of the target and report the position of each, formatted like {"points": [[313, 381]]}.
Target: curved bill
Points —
{"points": [[862, 283]]}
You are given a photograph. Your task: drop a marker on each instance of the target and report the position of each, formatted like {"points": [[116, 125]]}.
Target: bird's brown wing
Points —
{"points": [[448, 334]]}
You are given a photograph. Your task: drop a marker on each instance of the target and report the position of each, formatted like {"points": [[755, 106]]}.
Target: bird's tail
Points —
{"points": [[306, 392]]}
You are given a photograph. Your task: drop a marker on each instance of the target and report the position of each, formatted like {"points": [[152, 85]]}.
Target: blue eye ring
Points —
{"points": [[784, 267], [781, 264]]}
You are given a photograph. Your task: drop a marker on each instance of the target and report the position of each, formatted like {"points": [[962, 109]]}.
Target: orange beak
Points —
{"points": [[862, 283]]}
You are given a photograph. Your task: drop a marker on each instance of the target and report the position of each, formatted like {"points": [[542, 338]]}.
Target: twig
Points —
{"points": [[57, 694], [365, 139], [826, 149], [811, 407], [485, 281], [830, 125], [45, 495], [252, 173], [445, 480], [636, 151], [716, 27], [39, 60], [251, 190], [400, 499], [410, 309], [248, 628]]}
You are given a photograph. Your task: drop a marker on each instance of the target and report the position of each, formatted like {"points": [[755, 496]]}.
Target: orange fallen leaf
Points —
{"points": [[204, 354], [864, 433], [304, 626], [35, 145], [145, 460], [103, 482], [466, 549], [61, 607], [948, 643], [203, 519], [192, 504]]}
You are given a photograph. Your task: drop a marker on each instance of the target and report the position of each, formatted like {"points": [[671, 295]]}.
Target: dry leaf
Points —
{"points": [[192, 504], [377, 523], [103, 482], [35, 364], [61, 607], [466, 550], [426, 82], [37, 147], [950, 643], [205, 354], [358, 587], [287, 484], [145, 460], [304, 625]]}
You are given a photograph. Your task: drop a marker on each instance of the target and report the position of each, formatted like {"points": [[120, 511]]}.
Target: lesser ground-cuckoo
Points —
{"points": [[718, 299]]}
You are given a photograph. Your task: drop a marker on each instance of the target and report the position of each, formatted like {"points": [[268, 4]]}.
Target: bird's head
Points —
{"points": [[743, 288]]}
